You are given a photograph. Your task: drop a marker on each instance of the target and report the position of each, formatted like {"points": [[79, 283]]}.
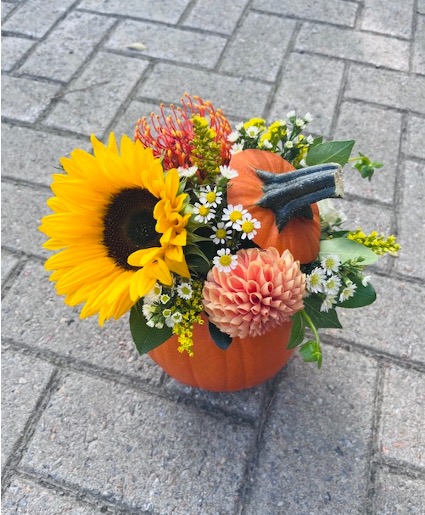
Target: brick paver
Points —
{"points": [[91, 427]]}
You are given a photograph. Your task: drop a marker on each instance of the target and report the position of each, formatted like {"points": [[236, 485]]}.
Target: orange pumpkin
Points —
{"points": [[300, 235], [246, 363]]}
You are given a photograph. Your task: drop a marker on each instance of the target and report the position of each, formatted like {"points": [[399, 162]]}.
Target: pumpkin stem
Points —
{"points": [[290, 194]]}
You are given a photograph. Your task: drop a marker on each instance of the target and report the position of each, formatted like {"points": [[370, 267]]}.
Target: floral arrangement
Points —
{"points": [[193, 222]]}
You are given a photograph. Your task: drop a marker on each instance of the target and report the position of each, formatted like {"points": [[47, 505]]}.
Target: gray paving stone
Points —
{"points": [[12, 51], [174, 44], [412, 231], [247, 403], [246, 57], [380, 142], [141, 449], [46, 323], [23, 380], [28, 498], [309, 84], [401, 434], [388, 16], [92, 100], [414, 136], [6, 8], [393, 324], [421, 6], [45, 150], [168, 11], [238, 97], [67, 46], [406, 92], [25, 99], [36, 17], [126, 124], [8, 263], [22, 210], [208, 15], [340, 13], [399, 495], [354, 45], [419, 46], [314, 449]]}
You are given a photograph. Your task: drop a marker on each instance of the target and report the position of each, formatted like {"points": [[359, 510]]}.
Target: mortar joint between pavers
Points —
{"points": [[12, 462]]}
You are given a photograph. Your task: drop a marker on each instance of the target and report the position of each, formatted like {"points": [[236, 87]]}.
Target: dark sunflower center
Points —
{"points": [[129, 225]]}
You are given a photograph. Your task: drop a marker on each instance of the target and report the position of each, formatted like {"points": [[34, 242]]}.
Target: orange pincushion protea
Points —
{"points": [[170, 137]]}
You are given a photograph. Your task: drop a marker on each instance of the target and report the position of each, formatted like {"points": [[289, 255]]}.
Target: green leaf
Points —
{"points": [[146, 338], [330, 152], [363, 296], [222, 340], [316, 141], [320, 318], [297, 331], [347, 249], [311, 352]]}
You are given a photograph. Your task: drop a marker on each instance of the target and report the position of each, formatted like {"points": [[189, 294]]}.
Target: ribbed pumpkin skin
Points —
{"points": [[246, 363], [300, 235]]}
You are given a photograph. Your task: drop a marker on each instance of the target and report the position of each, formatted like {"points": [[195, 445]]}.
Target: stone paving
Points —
{"points": [[91, 427]]}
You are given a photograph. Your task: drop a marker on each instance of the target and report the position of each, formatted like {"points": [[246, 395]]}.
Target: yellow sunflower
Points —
{"points": [[120, 225]]}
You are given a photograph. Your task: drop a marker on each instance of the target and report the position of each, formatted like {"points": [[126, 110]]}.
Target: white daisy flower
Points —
{"points": [[239, 126], [225, 261], [348, 291], [150, 323], [303, 163], [327, 303], [332, 285], [299, 122], [308, 118], [164, 298], [266, 144], [228, 173], [233, 214], [184, 290], [366, 280], [330, 263], [159, 324], [233, 136], [187, 172], [237, 147], [248, 226], [153, 295], [221, 234], [289, 144], [252, 131], [203, 212], [330, 217], [148, 310], [290, 114], [176, 317], [314, 281], [210, 197], [310, 139]]}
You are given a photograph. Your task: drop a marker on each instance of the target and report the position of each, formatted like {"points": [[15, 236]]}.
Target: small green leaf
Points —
{"points": [[311, 352], [222, 340], [146, 338], [297, 331], [330, 152], [347, 249], [320, 318], [363, 295], [316, 141]]}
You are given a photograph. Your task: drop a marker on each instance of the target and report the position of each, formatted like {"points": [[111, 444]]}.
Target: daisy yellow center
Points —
{"points": [[129, 225], [186, 290], [315, 280], [211, 196], [247, 227], [221, 233], [225, 260], [204, 210], [235, 216]]}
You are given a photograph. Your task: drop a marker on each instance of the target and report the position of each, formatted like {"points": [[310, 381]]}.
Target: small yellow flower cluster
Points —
{"points": [[191, 316], [376, 242], [206, 151]]}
